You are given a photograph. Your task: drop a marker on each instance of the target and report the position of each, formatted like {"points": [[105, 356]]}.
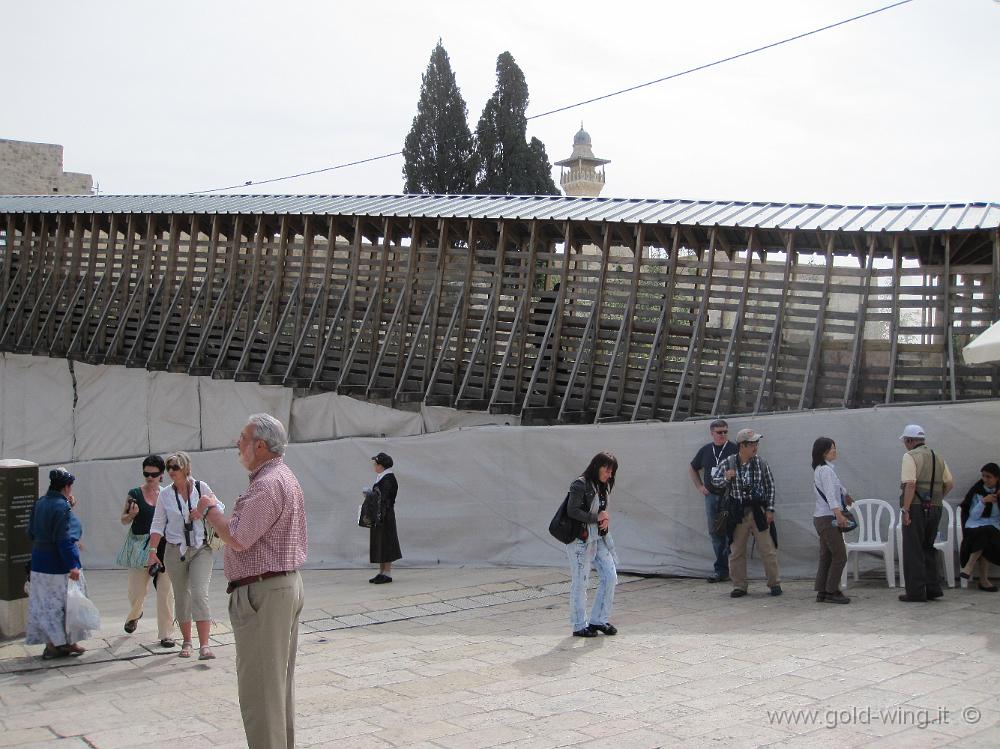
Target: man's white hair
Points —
{"points": [[272, 431]]}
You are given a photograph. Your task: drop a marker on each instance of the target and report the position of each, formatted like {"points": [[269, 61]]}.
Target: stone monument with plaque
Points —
{"points": [[18, 492]]}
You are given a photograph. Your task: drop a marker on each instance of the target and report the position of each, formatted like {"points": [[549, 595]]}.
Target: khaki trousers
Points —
{"points": [[191, 579], [265, 620], [738, 553], [138, 586]]}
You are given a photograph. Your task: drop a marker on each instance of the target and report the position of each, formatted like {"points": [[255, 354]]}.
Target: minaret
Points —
{"points": [[580, 176]]}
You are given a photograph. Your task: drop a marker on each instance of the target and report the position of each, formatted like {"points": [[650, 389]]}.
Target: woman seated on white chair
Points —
{"points": [[981, 527]]}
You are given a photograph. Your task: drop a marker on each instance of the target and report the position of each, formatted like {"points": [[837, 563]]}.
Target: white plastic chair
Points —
{"points": [[870, 514], [946, 545]]}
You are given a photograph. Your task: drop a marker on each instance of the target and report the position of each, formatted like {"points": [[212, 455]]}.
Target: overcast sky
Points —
{"points": [[903, 106]]}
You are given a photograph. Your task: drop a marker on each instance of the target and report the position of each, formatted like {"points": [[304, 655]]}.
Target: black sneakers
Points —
{"points": [[608, 629], [585, 632]]}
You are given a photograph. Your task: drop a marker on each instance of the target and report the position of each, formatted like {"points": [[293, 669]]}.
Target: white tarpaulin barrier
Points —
{"points": [[485, 495], [173, 412], [111, 418], [225, 405], [985, 347], [37, 416]]}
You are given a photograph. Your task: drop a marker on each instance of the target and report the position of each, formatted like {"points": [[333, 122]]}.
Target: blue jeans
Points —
{"points": [[581, 554], [719, 543]]}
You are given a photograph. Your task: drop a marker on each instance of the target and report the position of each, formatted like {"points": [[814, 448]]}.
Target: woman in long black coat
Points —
{"points": [[384, 546]]}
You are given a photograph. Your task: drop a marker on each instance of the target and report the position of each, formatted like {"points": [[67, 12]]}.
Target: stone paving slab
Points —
{"points": [[467, 658]]}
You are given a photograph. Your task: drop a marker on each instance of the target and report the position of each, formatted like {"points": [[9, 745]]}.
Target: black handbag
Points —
{"points": [[371, 514], [720, 523], [563, 527]]}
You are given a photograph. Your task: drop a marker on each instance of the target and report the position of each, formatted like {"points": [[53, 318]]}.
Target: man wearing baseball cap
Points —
{"points": [[925, 479], [751, 492]]}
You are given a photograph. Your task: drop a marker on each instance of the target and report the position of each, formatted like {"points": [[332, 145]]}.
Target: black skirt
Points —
{"points": [[986, 539]]}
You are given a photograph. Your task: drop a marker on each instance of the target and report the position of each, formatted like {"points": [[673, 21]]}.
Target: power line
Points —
{"points": [[720, 62], [670, 77]]}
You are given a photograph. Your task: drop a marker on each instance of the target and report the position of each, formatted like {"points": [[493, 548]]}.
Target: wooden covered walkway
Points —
{"points": [[557, 309]]}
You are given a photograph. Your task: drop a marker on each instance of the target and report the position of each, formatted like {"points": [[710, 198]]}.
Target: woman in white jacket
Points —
{"points": [[829, 520], [188, 557]]}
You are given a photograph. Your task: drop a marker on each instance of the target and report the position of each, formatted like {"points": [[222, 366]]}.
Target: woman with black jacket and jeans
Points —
{"points": [[588, 505]]}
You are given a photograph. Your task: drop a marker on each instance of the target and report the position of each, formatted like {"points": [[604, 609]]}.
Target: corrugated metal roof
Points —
{"points": [[805, 216]]}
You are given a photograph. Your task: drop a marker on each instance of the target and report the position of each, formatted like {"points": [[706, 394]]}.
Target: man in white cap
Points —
{"points": [[751, 492], [925, 480]]}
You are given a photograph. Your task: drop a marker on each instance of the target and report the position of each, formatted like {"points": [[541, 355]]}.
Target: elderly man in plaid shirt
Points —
{"points": [[266, 543], [751, 495]]}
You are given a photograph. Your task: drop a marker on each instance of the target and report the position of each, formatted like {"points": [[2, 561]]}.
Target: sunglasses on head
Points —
{"points": [[173, 467], [149, 475]]}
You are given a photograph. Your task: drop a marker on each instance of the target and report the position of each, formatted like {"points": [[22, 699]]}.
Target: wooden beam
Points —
{"points": [[808, 394], [774, 345], [660, 344], [599, 306], [697, 333], [894, 321], [736, 333], [946, 324], [860, 319]]}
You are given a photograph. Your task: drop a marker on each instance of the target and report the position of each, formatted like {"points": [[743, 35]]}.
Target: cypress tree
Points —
{"points": [[439, 155], [508, 165]]}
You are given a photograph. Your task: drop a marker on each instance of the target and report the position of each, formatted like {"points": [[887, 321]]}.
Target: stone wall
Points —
{"points": [[37, 169]]}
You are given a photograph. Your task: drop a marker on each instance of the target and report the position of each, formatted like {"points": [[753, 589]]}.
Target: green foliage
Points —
{"points": [[508, 164], [439, 155]]}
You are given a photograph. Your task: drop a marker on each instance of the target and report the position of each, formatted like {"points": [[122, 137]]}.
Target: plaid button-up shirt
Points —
{"points": [[753, 475], [269, 522]]}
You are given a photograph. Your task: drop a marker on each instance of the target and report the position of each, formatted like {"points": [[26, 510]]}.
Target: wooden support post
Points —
{"points": [[465, 300], [860, 318], [444, 349], [697, 333], [894, 322], [413, 349], [474, 354], [527, 295], [505, 359], [386, 338], [555, 341], [352, 287], [491, 328], [275, 337], [345, 367], [588, 332], [380, 293], [602, 280], [946, 324], [732, 349], [255, 325], [612, 362], [774, 345], [658, 351], [808, 393], [436, 293]]}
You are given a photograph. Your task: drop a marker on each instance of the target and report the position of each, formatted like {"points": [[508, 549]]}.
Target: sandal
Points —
{"points": [[131, 624], [205, 653], [186, 649]]}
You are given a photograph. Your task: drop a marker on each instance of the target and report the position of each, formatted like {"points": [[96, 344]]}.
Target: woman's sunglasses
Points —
{"points": [[173, 467], [152, 475]]}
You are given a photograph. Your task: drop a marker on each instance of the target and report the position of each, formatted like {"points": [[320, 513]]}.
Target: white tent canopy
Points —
{"points": [[985, 347]]}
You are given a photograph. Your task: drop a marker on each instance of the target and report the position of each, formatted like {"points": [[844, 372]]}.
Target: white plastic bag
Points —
{"points": [[82, 616]]}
